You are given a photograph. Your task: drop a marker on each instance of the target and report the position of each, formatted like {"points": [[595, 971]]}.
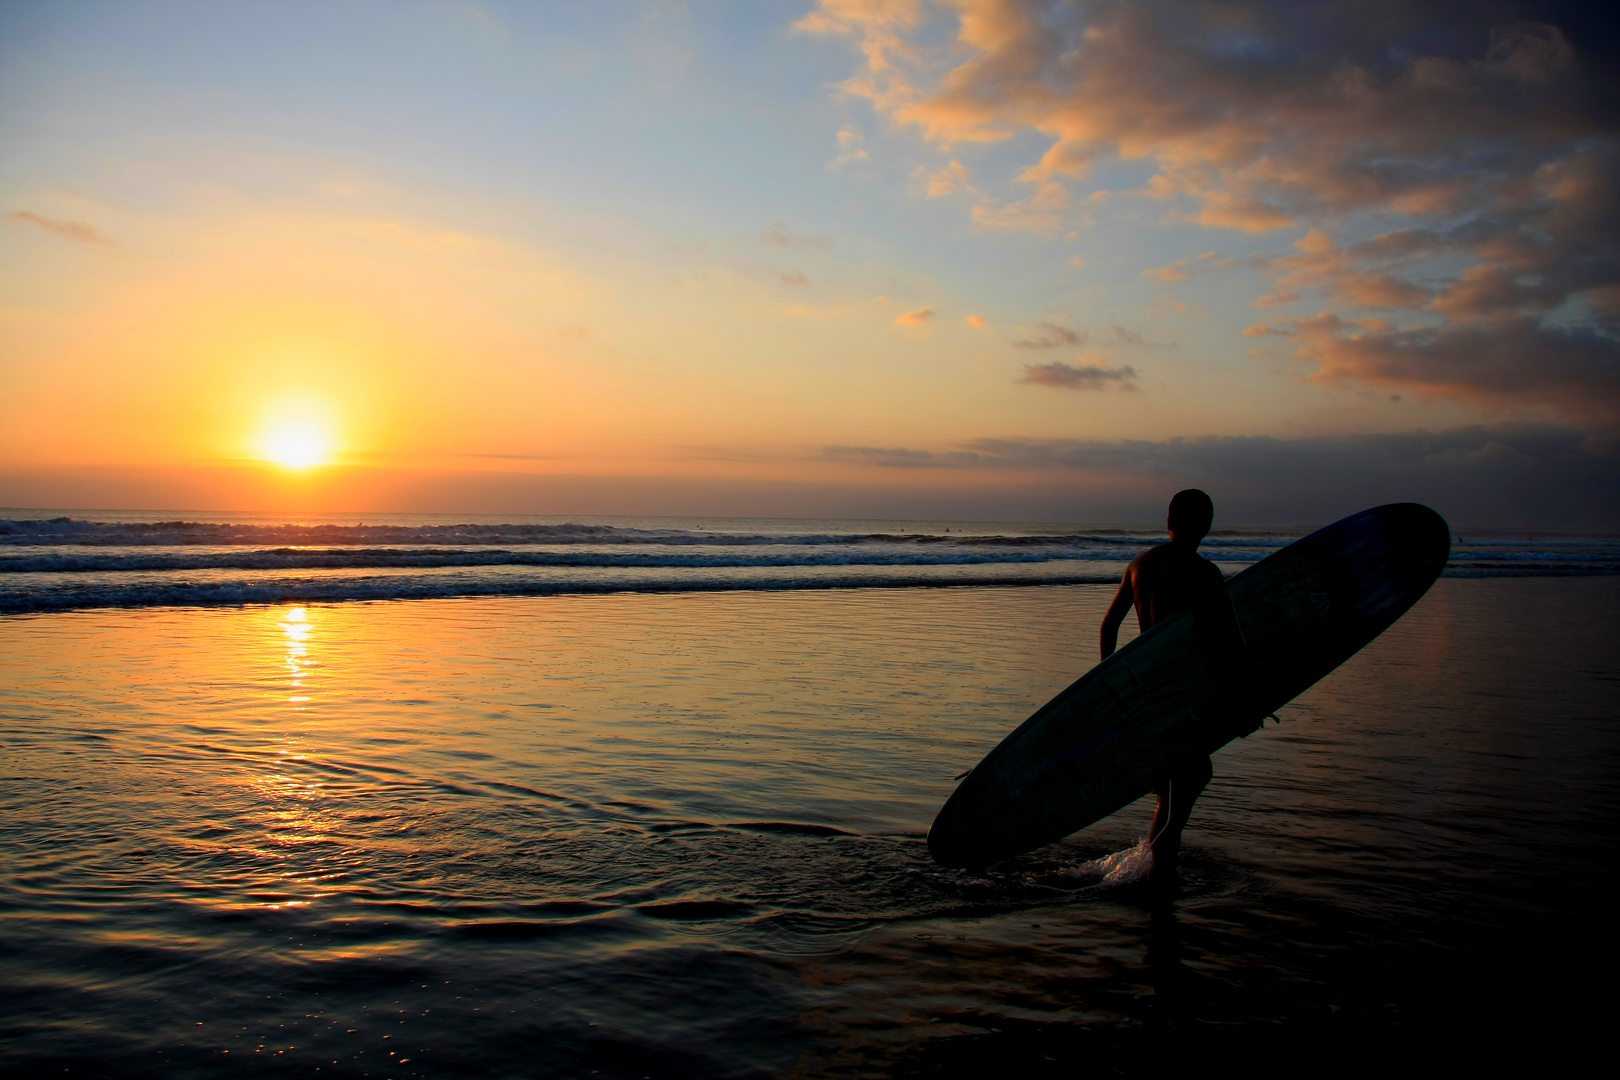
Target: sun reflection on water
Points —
{"points": [[297, 823], [295, 628]]}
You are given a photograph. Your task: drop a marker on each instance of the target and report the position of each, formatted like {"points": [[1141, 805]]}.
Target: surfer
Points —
{"points": [[1164, 581]]}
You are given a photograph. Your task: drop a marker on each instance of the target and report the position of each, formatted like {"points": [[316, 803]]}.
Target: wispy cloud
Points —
{"points": [[777, 235], [1041, 213], [1049, 335], [81, 231], [849, 149], [915, 318], [894, 457], [951, 179], [1176, 271], [1067, 377], [795, 277]]}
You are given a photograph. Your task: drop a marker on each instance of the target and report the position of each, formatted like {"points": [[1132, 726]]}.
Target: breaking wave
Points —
{"points": [[56, 563]]}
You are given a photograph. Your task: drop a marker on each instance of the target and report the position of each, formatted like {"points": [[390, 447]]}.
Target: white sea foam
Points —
{"points": [[55, 562], [1122, 867]]}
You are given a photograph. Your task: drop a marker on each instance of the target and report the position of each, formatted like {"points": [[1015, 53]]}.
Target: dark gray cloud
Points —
{"points": [[1543, 476], [1067, 377]]}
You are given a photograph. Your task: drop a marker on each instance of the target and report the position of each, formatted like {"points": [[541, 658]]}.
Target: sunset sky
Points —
{"points": [[861, 258]]}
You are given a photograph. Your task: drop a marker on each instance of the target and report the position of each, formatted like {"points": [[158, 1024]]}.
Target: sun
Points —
{"points": [[297, 447]]}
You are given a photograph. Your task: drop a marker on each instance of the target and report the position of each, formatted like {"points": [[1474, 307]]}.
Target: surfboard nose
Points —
{"points": [[1394, 553]]}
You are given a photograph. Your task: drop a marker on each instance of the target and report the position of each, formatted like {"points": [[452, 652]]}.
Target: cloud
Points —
{"points": [[1510, 365], [1076, 261], [80, 231], [1537, 476], [1363, 275], [1040, 213], [1176, 271], [1065, 377], [795, 277], [894, 458], [777, 235], [915, 318], [1051, 336], [849, 149], [952, 179], [1254, 112], [975, 321], [476, 16], [1483, 135]]}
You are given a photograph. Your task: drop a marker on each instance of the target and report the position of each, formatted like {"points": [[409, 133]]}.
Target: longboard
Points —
{"points": [[1192, 683]]}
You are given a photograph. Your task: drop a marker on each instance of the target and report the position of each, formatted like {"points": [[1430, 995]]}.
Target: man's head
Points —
{"points": [[1191, 512]]}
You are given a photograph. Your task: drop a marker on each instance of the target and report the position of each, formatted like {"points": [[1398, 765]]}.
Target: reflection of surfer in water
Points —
{"points": [[1161, 582]]}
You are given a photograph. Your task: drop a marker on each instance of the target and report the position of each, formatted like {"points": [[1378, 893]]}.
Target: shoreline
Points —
{"points": [[163, 597]]}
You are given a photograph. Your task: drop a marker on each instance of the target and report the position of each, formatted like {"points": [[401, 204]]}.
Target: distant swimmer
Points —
{"points": [[1164, 581]]}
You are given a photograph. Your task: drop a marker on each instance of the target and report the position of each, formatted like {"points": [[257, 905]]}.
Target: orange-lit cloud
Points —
{"points": [[1176, 271], [915, 318], [1512, 365], [849, 149], [1148, 81], [950, 179], [1496, 142]]}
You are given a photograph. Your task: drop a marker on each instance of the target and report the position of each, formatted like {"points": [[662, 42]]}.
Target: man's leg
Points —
{"points": [[1177, 793]]}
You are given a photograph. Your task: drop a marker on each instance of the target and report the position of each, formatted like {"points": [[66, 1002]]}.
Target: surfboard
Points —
{"points": [[1192, 683]]}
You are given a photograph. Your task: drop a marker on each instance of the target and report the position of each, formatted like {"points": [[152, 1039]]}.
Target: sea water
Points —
{"points": [[682, 834], [53, 561]]}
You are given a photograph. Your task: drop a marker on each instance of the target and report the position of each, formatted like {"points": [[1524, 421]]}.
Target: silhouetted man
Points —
{"points": [[1161, 582]]}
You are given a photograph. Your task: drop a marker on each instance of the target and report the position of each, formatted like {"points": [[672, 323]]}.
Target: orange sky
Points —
{"points": [[797, 249]]}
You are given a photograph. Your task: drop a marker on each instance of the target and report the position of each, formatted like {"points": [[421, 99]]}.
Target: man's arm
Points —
{"points": [[1117, 612]]}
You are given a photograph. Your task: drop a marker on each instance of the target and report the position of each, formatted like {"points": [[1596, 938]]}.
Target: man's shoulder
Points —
{"points": [[1156, 553], [1210, 572]]}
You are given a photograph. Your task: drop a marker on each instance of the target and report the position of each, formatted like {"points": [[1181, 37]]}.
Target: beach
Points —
{"points": [[519, 522], [682, 834]]}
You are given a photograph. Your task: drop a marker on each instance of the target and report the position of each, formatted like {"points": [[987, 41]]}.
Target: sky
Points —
{"points": [[981, 259]]}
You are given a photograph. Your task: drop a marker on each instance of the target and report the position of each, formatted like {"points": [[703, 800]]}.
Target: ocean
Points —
{"points": [[52, 561], [411, 796]]}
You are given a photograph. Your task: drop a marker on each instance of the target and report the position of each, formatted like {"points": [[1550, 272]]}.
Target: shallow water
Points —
{"points": [[644, 835]]}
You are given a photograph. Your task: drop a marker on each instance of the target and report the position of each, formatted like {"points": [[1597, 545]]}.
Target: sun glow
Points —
{"points": [[297, 447]]}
